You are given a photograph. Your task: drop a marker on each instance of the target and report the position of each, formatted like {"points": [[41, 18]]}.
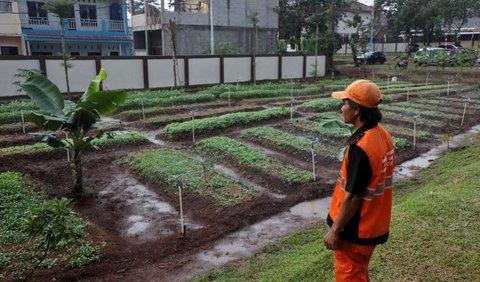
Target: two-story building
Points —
{"points": [[198, 23], [11, 40], [95, 28]]}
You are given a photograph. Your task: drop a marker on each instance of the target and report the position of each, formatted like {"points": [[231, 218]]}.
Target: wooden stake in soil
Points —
{"points": [[373, 76], [408, 94], [464, 111], [182, 223], [388, 81], [143, 109], [193, 126], [23, 121], [291, 103], [448, 88], [312, 143], [426, 80], [415, 131]]}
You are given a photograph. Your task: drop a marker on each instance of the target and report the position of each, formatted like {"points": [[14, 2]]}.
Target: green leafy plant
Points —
{"points": [[158, 166], [177, 130], [229, 150], [53, 222], [84, 254], [77, 119]]}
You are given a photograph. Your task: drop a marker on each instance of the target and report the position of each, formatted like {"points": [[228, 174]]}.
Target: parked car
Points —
{"points": [[448, 46], [372, 58]]}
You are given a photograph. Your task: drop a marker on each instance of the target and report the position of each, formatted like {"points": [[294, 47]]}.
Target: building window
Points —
{"points": [[36, 14], [114, 53], [5, 6], [94, 54], [74, 53], [8, 50], [88, 15]]}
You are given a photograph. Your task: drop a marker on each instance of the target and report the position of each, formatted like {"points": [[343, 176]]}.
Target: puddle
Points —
{"points": [[149, 217], [232, 174], [410, 168], [151, 137], [248, 240]]}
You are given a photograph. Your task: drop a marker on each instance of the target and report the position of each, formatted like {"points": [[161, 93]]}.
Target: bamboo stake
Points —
{"points": [[464, 112], [313, 160], [23, 121], [193, 126], [182, 223], [143, 110]]}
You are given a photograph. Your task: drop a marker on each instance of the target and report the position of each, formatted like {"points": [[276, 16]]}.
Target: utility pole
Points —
{"points": [[212, 42], [316, 50], [162, 16], [146, 25]]}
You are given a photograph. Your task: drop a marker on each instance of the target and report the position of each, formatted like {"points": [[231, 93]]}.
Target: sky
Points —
{"points": [[368, 2]]}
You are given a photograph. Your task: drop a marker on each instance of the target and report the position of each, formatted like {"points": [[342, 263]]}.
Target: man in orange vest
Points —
{"points": [[359, 216]]}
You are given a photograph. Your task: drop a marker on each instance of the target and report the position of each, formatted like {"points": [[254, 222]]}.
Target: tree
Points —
{"points": [[300, 18], [76, 119], [253, 19], [172, 29], [64, 10], [357, 39]]}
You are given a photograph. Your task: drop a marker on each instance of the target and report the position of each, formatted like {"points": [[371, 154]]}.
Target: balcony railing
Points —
{"points": [[5, 6], [38, 21], [72, 25]]}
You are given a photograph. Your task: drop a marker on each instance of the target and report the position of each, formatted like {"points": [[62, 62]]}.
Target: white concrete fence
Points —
{"points": [[157, 72], [394, 47]]}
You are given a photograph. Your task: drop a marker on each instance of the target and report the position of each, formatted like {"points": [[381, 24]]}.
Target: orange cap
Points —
{"points": [[362, 92]]}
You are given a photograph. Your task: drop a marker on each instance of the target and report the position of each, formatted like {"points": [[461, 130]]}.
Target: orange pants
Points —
{"points": [[351, 262]]}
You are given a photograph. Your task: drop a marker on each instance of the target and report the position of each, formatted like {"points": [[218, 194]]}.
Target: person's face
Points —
{"points": [[349, 114]]}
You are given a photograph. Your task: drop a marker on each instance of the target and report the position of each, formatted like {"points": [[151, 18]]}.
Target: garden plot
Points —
{"points": [[412, 111], [407, 121], [335, 136], [183, 130], [120, 138], [262, 168], [162, 120], [137, 114], [297, 146], [232, 184], [165, 166]]}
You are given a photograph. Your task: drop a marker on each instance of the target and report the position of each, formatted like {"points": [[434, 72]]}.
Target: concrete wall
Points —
{"points": [[8, 69], [157, 72], [395, 47]]}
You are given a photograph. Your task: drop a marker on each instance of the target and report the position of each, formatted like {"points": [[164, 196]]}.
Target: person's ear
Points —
{"points": [[357, 111]]}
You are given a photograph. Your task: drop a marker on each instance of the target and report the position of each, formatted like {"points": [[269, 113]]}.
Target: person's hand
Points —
{"points": [[331, 240]]}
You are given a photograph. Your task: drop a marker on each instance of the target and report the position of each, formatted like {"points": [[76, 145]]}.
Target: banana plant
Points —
{"points": [[76, 119]]}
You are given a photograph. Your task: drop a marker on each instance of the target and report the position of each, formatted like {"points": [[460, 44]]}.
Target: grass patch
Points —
{"points": [[162, 165], [435, 234]]}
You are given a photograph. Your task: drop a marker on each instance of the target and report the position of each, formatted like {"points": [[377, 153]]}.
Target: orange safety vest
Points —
{"points": [[375, 209]]}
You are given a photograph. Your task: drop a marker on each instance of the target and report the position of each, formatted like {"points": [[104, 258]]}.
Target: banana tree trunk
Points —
{"points": [[77, 172]]}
